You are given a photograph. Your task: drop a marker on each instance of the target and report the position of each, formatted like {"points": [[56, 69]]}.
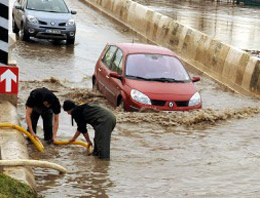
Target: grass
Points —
{"points": [[11, 188]]}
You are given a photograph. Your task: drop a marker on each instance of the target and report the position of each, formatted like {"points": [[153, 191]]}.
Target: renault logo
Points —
{"points": [[52, 23], [171, 104]]}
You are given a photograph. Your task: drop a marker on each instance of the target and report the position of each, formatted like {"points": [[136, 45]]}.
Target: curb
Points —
{"points": [[13, 146]]}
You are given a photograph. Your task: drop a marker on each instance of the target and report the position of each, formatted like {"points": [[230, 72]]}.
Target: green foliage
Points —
{"points": [[11, 188]]}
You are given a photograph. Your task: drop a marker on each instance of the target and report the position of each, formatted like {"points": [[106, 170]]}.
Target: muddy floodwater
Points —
{"points": [[237, 25], [213, 152], [208, 153]]}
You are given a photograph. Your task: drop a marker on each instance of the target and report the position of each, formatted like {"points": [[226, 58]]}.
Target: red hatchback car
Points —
{"points": [[145, 76]]}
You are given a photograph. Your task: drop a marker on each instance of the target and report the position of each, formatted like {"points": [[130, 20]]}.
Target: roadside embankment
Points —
{"points": [[228, 65], [10, 187], [13, 145]]}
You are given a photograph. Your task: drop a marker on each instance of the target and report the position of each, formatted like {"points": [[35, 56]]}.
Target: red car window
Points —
{"points": [[109, 55], [117, 62]]}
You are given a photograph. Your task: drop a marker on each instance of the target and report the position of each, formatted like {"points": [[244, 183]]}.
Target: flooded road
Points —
{"points": [[213, 152], [237, 25]]}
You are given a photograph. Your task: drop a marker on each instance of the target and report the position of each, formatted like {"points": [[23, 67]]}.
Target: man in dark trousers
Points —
{"points": [[42, 102], [102, 120]]}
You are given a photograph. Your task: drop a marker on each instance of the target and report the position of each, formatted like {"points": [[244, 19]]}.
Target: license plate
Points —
{"points": [[53, 31]]}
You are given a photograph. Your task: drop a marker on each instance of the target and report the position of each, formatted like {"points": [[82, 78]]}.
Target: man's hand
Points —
{"points": [[90, 148], [34, 135], [89, 144], [71, 140]]}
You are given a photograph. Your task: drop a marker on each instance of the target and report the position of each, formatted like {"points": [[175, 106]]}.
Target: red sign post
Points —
{"points": [[9, 78]]}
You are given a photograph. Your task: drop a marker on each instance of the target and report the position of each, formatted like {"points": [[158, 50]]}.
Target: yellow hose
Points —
{"points": [[90, 149], [36, 140]]}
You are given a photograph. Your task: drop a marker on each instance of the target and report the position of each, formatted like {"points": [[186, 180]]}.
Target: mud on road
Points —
{"points": [[86, 95]]}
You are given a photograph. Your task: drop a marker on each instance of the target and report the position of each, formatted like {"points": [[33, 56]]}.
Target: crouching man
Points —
{"points": [[42, 102], [102, 120]]}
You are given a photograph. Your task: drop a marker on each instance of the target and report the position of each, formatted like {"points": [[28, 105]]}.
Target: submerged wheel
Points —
{"points": [[70, 41], [24, 35], [94, 84], [14, 27], [121, 105]]}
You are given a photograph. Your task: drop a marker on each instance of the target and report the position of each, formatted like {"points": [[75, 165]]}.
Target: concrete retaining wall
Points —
{"points": [[13, 145], [233, 67]]}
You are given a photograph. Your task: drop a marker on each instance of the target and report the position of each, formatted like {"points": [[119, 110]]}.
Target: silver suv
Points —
{"points": [[47, 19]]}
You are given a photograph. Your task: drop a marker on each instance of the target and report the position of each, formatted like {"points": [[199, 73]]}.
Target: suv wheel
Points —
{"points": [[24, 35], [70, 41], [14, 27]]}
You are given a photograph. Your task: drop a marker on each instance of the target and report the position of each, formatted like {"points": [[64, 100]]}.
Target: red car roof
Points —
{"points": [[131, 48]]}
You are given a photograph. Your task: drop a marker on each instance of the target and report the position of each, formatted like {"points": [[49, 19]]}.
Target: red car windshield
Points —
{"points": [[155, 67]]}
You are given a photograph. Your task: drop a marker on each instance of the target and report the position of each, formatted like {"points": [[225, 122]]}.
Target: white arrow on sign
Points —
{"points": [[8, 76]]}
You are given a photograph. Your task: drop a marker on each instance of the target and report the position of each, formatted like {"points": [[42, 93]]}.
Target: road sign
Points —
{"points": [[9, 78]]}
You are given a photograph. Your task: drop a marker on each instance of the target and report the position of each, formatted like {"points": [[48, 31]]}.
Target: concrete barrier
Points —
{"points": [[13, 145], [228, 65]]}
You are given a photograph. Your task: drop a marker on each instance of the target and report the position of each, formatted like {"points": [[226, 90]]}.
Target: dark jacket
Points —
{"points": [[35, 100], [91, 114]]}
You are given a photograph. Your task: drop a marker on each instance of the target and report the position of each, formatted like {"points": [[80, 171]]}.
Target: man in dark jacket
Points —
{"points": [[102, 120], [42, 102]]}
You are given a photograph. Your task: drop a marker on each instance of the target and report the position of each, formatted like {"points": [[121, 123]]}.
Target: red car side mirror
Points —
{"points": [[195, 79], [115, 75]]}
